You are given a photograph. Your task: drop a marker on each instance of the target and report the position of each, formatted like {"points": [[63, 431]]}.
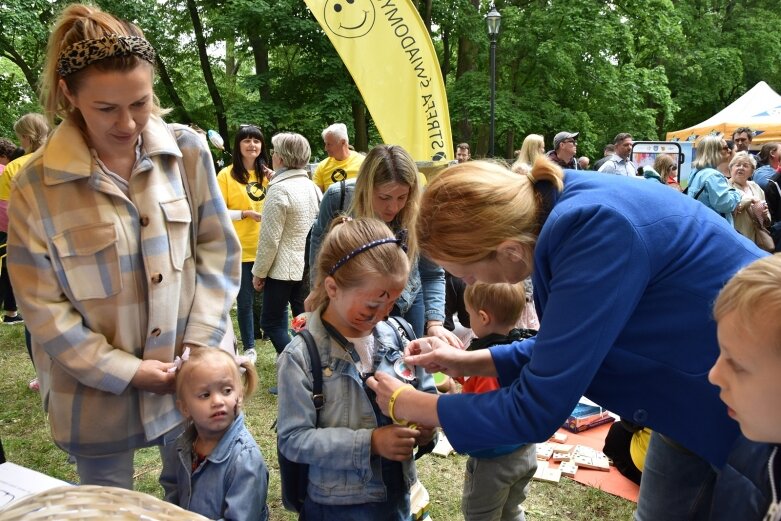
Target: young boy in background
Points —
{"points": [[496, 480], [748, 372]]}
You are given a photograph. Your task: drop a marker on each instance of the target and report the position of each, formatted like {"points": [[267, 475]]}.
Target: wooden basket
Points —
{"points": [[93, 502]]}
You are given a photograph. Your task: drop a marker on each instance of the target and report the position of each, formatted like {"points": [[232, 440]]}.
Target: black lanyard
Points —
{"points": [[342, 341], [350, 348]]}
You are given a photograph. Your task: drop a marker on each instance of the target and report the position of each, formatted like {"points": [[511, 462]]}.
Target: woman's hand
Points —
{"points": [[268, 173], [251, 214], [258, 283], [153, 376], [439, 331], [411, 405], [394, 442], [383, 386], [758, 211], [436, 356]]}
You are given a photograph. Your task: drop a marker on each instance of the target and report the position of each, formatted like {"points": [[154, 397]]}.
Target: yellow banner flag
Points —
{"points": [[389, 54]]}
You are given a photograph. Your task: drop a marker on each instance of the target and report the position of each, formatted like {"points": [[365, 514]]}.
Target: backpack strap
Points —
{"points": [[317, 373], [403, 330], [342, 193]]}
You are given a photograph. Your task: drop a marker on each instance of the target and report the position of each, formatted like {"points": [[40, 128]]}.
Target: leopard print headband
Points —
{"points": [[77, 56]]}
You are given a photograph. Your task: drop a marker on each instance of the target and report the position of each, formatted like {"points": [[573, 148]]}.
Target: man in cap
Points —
{"points": [[565, 148]]}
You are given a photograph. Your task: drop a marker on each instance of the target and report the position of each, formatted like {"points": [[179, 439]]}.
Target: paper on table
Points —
{"points": [[16, 482]]}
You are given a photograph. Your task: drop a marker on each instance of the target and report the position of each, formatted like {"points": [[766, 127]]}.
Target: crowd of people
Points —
{"points": [[126, 252]]}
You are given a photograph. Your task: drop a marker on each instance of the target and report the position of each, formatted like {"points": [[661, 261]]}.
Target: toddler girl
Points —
{"points": [[220, 472], [360, 462]]}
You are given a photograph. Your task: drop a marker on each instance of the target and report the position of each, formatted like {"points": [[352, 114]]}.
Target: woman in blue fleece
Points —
{"points": [[625, 274]]}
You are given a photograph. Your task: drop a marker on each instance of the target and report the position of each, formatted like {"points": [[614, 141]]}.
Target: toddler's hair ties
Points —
{"points": [[179, 360]]}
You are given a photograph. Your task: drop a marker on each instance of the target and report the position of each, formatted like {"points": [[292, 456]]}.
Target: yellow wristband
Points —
{"points": [[392, 402]]}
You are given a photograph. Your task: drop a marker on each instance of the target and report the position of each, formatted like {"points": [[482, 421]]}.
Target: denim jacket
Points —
{"points": [[342, 470], [231, 484], [710, 187], [424, 275]]}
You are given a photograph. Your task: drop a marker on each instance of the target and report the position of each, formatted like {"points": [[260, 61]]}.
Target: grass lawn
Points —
{"points": [[27, 442]]}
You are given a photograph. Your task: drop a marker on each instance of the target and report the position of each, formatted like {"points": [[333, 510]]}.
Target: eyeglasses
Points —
{"points": [[574, 141], [673, 167]]}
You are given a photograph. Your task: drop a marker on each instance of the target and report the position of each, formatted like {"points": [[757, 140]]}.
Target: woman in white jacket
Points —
{"points": [[292, 203]]}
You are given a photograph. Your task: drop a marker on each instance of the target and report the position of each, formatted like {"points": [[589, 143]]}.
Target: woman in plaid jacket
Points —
{"points": [[107, 221]]}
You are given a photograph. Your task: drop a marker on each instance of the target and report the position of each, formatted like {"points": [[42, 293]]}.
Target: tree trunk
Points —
{"points": [[182, 115], [446, 54], [425, 13], [230, 59], [466, 61], [8, 50], [361, 142], [509, 148], [200, 41], [260, 54]]}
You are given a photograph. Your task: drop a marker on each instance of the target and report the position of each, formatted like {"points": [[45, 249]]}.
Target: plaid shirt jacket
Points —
{"points": [[106, 280]]}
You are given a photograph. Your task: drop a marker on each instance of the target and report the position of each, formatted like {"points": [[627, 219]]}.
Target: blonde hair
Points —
{"points": [[662, 166], [503, 301], [389, 164], [79, 22], [34, 127], [292, 148], [754, 293], [471, 208], [533, 147], [212, 356], [347, 235], [708, 152]]}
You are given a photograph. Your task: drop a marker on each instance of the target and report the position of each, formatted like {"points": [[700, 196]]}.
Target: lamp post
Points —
{"points": [[493, 19]]}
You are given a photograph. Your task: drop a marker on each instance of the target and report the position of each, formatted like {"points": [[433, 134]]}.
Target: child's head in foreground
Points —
{"points": [[748, 370], [210, 387], [494, 308]]}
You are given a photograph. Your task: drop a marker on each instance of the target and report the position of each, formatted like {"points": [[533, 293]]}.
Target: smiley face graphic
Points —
{"points": [[349, 18]]}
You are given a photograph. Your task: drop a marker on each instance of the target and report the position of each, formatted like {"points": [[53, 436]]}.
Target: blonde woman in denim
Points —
{"points": [[388, 188]]}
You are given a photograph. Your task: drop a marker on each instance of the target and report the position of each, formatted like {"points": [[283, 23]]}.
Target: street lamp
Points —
{"points": [[493, 19]]}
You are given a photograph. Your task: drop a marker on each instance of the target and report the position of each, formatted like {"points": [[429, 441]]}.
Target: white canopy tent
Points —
{"points": [[759, 109]]}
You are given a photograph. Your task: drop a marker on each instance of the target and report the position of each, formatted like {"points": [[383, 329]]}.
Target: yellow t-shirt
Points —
{"points": [[330, 171], [638, 447], [238, 198], [10, 171]]}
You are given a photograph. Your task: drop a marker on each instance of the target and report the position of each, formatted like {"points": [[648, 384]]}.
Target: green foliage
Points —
{"points": [[644, 67]]}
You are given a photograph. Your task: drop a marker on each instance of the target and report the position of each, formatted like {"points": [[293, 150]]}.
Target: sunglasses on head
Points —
{"points": [[250, 126]]}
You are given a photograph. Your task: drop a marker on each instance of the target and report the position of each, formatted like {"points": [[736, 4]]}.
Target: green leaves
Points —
{"points": [[644, 67]]}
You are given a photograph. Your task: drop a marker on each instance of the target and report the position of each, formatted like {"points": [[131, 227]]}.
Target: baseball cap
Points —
{"points": [[561, 136]]}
